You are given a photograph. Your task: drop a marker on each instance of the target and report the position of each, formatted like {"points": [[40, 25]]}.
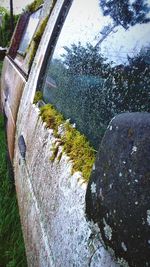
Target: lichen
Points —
{"points": [[134, 149], [107, 230], [122, 262], [93, 188], [111, 251], [74, 144]]}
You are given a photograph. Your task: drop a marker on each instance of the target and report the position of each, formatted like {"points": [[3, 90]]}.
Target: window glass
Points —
{"points": [[101, 63], [29, 31]]}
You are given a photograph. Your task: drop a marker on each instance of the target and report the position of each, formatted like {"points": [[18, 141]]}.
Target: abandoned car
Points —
{"points": [[76, 96]]}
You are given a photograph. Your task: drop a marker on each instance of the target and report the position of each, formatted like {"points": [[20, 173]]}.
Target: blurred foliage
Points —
{"points": [[34, 5], [3, 10], [12, 251], [5, 29]]}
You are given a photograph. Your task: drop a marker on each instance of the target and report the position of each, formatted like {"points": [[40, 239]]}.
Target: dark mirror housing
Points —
{"points": [[118, 193]]}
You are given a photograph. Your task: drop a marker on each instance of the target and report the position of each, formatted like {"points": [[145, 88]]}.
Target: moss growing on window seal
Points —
{"points": [[38, 96], [34, 5], [32, 48], [41, 28], [74, 144], [52, 118], [79, 150]]}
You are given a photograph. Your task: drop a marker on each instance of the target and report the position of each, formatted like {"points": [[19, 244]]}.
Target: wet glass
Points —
{"points": [[29, 31], [100, 65]]}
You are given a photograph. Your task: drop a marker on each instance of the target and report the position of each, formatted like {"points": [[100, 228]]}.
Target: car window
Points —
{"points": [[100, 65], [29, 31]]}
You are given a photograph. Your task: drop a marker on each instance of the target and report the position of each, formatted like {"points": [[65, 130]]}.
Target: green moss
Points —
{"points": [[38, 96], [32, 51], [79, 150], [75, 145], [41, 28], [34, 5], [32, 48], [52, 118]]}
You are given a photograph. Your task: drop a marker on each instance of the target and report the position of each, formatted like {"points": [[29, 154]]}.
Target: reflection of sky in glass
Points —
{"points": [[126, 42], [118, 44], [29, 31], [81, 85]]}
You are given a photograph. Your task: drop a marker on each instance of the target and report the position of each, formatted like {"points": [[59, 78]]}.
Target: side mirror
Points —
{"points": [[118, 193]]}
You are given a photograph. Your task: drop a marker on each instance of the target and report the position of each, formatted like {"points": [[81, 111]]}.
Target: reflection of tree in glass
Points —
{"points": [[123, 13], [132, 83], [126, 13], [85, 60], [91, 91]]}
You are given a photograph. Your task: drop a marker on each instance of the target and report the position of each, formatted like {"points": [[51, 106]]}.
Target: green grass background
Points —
{"points": [[12, 251]]}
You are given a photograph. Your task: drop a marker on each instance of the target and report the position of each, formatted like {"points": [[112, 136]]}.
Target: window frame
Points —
{"points": [[18, 34], [53, 39], [20, 53]]}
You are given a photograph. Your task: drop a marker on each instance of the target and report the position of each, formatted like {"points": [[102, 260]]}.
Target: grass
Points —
{"points": [[12, 251]]}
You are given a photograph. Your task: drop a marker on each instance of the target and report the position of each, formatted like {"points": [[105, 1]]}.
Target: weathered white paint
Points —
{"points": [[52, 204]]}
